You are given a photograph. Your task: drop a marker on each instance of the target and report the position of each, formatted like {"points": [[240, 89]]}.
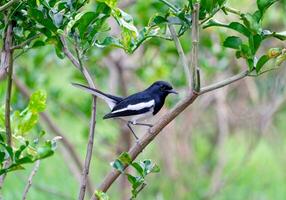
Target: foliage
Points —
{"points": [[25, 148], [86, 24], [142, 169]]}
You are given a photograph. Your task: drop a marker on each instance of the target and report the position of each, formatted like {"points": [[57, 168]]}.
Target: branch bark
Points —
{"points": [[7, 65], [88, 78], [181, 55], [30, 179], [195, 48], [224, 82]]}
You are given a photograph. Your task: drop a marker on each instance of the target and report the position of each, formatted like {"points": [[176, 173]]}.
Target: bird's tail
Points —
{"points": [[109, 99]]}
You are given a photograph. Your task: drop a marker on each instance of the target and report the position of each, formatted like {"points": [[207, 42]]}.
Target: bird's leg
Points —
{"points": [[128, 124], [142, 124]]}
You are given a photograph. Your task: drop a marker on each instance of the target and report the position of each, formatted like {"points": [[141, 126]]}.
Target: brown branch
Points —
{"points": [[181, 55], [29, 184], [195, 48], [46, 118], [7, 5], [88, 78], [224, 82], [7, 63]]}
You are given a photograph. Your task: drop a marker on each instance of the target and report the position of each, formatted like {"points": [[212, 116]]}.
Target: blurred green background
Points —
{"points": [[230, 144]]}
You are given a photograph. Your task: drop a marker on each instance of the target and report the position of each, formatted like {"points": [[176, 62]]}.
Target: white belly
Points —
{"points": [[138, 118]]}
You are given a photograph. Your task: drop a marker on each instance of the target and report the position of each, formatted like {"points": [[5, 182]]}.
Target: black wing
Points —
{"points": [[133, 105]]}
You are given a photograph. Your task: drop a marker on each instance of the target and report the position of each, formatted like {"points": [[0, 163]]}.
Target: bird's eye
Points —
{"points": [[163, 88]]}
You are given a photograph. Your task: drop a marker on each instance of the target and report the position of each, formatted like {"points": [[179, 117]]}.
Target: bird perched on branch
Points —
{"points": [[136, 107]]}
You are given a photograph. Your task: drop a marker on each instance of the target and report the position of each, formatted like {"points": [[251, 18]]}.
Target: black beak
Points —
{"points": [[172, 91]]}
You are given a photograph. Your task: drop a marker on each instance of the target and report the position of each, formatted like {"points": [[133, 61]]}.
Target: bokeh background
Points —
{"points": [[230, 144]]}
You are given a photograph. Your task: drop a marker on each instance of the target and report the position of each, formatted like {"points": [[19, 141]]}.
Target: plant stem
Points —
{"points": [[195, 48], [7, 5], [232, 10], [7, 63], [170, 5], [224, 82], [181, 55], [30, 179], [78, 65]]}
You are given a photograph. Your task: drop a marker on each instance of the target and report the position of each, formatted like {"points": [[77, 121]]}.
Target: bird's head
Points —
{"points": [[162, 87]]}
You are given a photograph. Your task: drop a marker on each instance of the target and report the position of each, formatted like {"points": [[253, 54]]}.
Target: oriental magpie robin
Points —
{"points": [[136, 107]]}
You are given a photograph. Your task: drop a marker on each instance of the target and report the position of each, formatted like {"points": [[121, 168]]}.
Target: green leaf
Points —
{"points": [[43, 20], [251, 22], [20, 150], [261, 62], [263, 5], [233, 25], [239, 28], [9, 150], [138, 168], [37, 101], [131, 179], [125, 158], [156, 20], [45, 150], [101, 195], [155, 169], [117, 164], [254, 42], [110, 3], [232, 42]]}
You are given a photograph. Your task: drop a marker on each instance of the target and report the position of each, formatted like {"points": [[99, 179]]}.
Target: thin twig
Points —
{"points": [[224, 82], [174, 8], [232, 10], [29, 184], [195, 48], [181, 55], [7, 5], [88, 78], [23, 44], [7, 63]]}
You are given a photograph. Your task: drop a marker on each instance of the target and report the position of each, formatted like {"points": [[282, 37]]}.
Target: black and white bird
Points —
{"points": [[136, 107]]}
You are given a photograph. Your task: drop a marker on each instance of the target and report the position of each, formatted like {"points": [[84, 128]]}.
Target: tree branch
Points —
{"points": [[29, 184], [181, 55], [224, 82], [7, 5], [7, 63], [195, 48], [23, 44], [88, 78]]}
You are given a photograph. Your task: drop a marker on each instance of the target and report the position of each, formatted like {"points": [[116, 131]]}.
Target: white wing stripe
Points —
{"points": [[138, 106]]}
